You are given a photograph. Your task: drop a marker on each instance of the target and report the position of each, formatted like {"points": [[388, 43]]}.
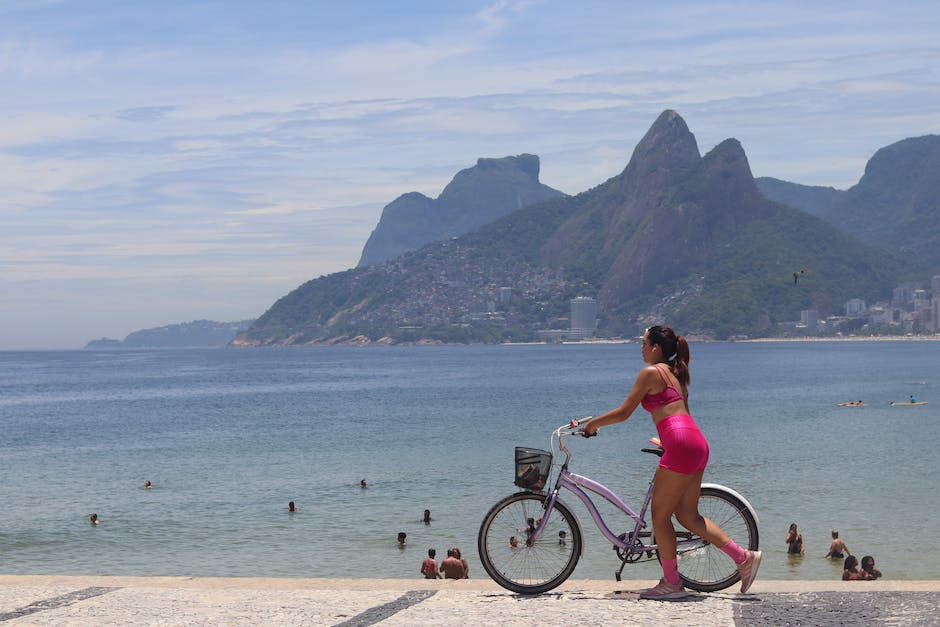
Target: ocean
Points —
{"points": [[229, 437]]}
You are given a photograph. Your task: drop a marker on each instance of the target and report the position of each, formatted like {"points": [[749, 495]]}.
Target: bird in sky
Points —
{"points": [[798, 274]]}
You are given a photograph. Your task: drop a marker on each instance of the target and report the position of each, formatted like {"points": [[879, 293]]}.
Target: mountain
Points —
{"points": [[812, 199], [196, 334], [675, 237], [896, 203], [476, 196]]}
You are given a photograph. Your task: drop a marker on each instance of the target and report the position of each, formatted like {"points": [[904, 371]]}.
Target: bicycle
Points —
{"points": [[530, 542]]}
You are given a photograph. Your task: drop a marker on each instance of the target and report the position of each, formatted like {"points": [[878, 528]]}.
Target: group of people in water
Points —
{"points": [[851, 570], [454, 566]]}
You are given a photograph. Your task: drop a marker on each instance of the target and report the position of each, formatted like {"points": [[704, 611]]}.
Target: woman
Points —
{"points": [[662, 389], [794, 541], [868, 568], [463, 562], [850, 570]]}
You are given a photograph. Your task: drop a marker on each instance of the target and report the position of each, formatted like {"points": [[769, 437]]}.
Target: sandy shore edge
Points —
{"points": [[469, 585]]}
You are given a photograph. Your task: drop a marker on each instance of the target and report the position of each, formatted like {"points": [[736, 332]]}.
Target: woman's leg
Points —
{"points": [[689, 517], [668, 491]]}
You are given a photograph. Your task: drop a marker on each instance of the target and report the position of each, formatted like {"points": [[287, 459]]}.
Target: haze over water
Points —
{"points": [[228, 437]]}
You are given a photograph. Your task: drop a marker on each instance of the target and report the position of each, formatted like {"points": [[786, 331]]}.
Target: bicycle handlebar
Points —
{"points": [[573, 427]]}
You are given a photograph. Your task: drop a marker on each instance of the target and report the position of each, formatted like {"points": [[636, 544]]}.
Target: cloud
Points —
{"points": [[144, 114]]}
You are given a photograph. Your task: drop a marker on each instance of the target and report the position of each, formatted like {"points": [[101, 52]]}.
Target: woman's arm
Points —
{"points": [[640, 388]]}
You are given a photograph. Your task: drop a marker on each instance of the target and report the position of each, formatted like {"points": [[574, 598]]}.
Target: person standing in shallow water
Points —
{"points": [[838, 548], [794, 541], [662, 389]]}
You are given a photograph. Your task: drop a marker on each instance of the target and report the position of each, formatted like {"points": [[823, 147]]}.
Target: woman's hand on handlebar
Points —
{"points": [[587, 429]]}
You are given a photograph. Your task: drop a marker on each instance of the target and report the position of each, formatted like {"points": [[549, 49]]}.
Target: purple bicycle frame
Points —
{"points": [[578, 484]]}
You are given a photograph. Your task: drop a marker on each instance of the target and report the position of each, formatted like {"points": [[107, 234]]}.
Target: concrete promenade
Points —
{"points": [[61, 600]]}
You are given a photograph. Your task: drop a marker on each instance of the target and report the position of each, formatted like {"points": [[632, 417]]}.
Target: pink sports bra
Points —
{"points": [[652, 402]]}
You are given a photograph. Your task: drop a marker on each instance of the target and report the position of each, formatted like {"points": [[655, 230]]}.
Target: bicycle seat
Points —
{"points": [[654, 451]]}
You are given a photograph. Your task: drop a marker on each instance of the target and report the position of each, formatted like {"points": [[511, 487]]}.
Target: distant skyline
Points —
{"points": [[167, 162]]}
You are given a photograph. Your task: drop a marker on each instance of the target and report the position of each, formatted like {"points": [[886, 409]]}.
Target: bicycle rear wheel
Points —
{"points": [[528, 568], [703, 566]]}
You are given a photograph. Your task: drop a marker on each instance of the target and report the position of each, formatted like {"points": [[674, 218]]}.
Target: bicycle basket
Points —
{"points": [[532, 468]]}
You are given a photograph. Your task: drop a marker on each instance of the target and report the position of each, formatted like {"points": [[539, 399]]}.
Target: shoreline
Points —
{"points": [[850, 338], [469, 585], [755, 340]]}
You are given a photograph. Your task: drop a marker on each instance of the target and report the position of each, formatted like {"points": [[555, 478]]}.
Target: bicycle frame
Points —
{"points": [[580, 486]]}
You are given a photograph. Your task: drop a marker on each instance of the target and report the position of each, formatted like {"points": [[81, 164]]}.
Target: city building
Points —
{"points": [[934, 322], [809, 318], [583, 317], [902, 295], [855, 307]]}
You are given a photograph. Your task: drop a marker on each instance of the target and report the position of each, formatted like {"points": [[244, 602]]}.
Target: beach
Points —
{"points": [[176, 601]]}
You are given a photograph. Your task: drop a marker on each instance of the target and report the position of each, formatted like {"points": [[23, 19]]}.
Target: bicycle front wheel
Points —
{"points": [[528, 567], [703, 566]]}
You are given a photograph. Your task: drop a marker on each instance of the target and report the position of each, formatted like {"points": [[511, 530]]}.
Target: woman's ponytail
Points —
{"points": [[680, 365]]}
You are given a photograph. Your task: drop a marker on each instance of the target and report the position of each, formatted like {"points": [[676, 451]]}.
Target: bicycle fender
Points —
{"points": [[736, 495]]}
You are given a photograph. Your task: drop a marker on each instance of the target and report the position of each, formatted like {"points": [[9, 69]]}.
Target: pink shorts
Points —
{"points": [[686, 449]]}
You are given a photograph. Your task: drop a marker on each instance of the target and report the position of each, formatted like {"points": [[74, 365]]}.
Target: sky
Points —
{"points": [[163, 162]]}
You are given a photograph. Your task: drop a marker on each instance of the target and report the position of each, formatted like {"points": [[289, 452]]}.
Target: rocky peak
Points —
{"points": [[668, 143], [667, 153], [525, 163], [725, 176], [474, 197]]}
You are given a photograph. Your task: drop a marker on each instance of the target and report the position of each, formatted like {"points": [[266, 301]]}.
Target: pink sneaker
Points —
{"points": [[748, 569], [664, 591]]}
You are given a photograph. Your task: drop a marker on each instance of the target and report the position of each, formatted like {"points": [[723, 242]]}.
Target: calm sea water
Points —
{"points": [[228, 437]]}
